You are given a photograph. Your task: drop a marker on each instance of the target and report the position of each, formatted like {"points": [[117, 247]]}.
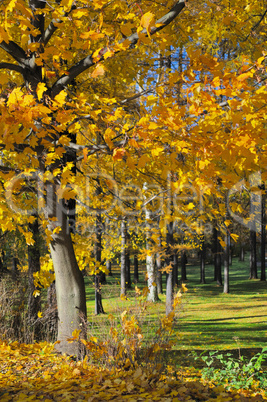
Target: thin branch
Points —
{"points": [[89, 61], [50, 30], [257, 24], [10, 66]]}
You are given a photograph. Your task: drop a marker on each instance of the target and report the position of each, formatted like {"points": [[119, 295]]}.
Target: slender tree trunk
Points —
{"points": [[226, 264], [14, 269], [159, 273], [128, 266], [123, 256], [263, 233], [98, 248], [175, 269], [242, 253], [183, 266], [108, 266], [34, 301], [202, 261], [169, 278], [217, 258], [136, 272], [253, 255], [70, 289], [150, 262]]}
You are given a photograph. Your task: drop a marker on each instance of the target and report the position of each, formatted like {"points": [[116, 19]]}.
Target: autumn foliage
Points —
{"points": [[148, 113]]}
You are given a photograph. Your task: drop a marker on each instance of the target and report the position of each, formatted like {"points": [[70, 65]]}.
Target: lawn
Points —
{"points": [[208, 318]]}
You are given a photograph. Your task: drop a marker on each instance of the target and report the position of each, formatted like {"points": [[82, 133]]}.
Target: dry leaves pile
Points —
{"points": [[37, 373]]}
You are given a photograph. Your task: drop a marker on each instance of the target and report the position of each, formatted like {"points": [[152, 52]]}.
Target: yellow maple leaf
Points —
{"points": [[60, 99], [41, 88], [147, 21]]}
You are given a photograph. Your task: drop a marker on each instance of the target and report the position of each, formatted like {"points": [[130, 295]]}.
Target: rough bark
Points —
{"points": [[51, 314]]}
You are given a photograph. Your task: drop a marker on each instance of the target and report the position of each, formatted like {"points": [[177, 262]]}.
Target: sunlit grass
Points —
{"points": [[209, 319]]}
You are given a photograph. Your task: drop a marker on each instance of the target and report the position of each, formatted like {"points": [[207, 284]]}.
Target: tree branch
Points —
{"points": [[10, 66], [52, 28], [88, 61], [38, 19], [14, 51]]}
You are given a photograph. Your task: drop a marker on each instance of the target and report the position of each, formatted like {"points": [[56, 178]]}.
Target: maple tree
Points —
{"points": [[43, 110]]}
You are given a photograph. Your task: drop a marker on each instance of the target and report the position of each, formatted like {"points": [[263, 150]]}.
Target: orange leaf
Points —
{"points": [[118, 154], [85, 154], [99, 70]]}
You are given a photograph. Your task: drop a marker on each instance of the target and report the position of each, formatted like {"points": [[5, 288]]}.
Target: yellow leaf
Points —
{"points": [[41, 88], [147, 21], [99, 70], [76, 333], [184, 288], [92, 35], [40, 314], [60, 99], [234, 236]]}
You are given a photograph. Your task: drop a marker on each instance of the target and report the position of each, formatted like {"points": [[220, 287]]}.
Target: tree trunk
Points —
{"points": [[108, 266], [34, 301], [159, 274], [217, 258], [183, 266], [169, 276], [123, 256], [98, 248], [226, 263], [202, 261], [14, 269], [136, 272], [128, 267], [253, 255], [169, 293], [263, 233], [242, 254], [175, 269], [150, 263], [70, 289]]}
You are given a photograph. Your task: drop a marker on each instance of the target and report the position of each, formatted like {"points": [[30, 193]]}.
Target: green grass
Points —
{"points": [[209, 319]]}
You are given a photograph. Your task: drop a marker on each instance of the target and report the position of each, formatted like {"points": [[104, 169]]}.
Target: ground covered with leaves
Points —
{"points": [[36, 373]]}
